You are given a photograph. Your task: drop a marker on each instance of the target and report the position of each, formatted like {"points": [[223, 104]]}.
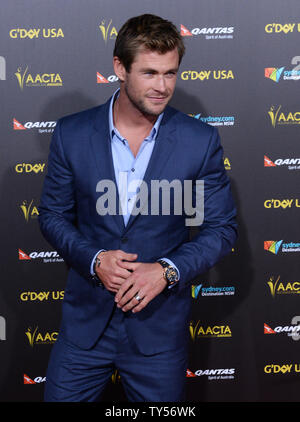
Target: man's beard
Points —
{"points": [[141, 106]]}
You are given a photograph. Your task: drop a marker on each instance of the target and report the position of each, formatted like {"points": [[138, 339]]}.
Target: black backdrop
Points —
{"points": [[240, 73]]}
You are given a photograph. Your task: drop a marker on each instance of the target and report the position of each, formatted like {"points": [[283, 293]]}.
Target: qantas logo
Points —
{"points": [[292, 163], [190, 374], [47, 126], [268, 330], [268, 162], [17, 125], [212, 374], [290, 330], [50, 256], [37, 380], [185, 32], [28, 380], [102, 80], [222, 32], [23, 255]]}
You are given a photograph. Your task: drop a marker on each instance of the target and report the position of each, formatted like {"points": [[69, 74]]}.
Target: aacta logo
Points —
{"points": [[199, 331], [36, 337], [29, 210], [102, 80], [279, 118], [38, 79], [108, 32], [277, 288]]}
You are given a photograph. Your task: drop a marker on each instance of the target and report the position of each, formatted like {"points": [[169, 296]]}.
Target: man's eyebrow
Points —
{"points": [[149, 69]]}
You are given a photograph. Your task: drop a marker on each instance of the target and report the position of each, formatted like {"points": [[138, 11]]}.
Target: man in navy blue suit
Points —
{"points": [[128, 246]]}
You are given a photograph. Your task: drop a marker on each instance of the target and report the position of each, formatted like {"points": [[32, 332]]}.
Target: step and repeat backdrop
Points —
{"points": [[241, 74]]}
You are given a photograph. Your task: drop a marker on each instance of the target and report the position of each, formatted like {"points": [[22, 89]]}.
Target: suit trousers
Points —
{"points": [[77, 375]]}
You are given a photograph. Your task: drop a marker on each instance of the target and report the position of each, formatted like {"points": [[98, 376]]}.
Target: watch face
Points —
{"points": [[171, 275]]}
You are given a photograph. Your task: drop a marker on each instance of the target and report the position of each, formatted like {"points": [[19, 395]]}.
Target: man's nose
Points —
{"points": [[160, 83]]}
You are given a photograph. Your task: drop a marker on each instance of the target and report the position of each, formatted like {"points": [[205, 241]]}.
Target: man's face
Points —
{"points": [[151, 81]]}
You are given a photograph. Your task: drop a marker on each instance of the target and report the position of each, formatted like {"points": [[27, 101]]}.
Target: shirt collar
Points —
{"points": [[114, 131]]}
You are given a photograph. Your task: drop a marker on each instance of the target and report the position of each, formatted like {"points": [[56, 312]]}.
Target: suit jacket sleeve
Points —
{"points": [[217, 234], [57, 208]]}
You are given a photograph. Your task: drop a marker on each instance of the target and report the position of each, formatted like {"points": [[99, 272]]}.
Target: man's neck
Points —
{"points": [[128, 117]]}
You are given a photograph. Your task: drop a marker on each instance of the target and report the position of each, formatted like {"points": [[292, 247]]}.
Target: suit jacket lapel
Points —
{"points": [[101, 147], [163, 148]]}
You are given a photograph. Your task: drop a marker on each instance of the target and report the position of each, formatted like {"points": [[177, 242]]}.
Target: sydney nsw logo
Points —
{"points": [[275, 73], [277, 246]]}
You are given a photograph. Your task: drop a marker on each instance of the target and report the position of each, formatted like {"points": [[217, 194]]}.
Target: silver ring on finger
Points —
{"points": [[138, 298]]}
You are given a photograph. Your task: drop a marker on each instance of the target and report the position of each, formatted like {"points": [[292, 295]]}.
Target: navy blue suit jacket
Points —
{"points": [[80, 156]]}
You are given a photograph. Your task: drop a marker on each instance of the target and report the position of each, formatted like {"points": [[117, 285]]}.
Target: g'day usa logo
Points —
{"points": [[45, 257]]}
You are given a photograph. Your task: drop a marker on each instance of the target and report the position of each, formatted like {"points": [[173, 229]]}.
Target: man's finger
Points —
{"points": [[141, 305], [127, 256], [125, 286], [122, 273], [131, 304], [129, 295], [128, 265]]}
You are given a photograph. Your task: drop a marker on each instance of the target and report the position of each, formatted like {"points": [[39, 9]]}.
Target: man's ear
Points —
{"points": [[119, 69]]}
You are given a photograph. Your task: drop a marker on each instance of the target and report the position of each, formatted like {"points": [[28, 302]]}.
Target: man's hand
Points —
{"points": [[146, 281], [111, 274]]}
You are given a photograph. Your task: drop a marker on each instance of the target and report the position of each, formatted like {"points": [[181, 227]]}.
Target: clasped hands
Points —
{"points": [[119, 273]]}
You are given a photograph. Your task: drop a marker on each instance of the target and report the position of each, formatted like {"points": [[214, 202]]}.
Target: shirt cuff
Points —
{"points": [[93, 261], [172, 265]]}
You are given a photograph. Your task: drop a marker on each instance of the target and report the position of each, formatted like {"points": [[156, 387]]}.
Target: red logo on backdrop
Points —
{"points": [[101, 79], [268, 330], [268, 162], [23, 255], [184, 32], [190, 374], [28, 380], [18, 125]]}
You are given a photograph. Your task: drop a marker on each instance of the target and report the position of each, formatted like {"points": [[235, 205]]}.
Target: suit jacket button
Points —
{"points": [[124, 239]]}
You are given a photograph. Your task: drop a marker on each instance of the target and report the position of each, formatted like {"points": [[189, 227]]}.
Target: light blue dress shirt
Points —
{"points": [[129, 169]]}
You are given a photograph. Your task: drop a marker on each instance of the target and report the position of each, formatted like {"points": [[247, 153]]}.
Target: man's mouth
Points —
{"points": [[157, 99]]}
